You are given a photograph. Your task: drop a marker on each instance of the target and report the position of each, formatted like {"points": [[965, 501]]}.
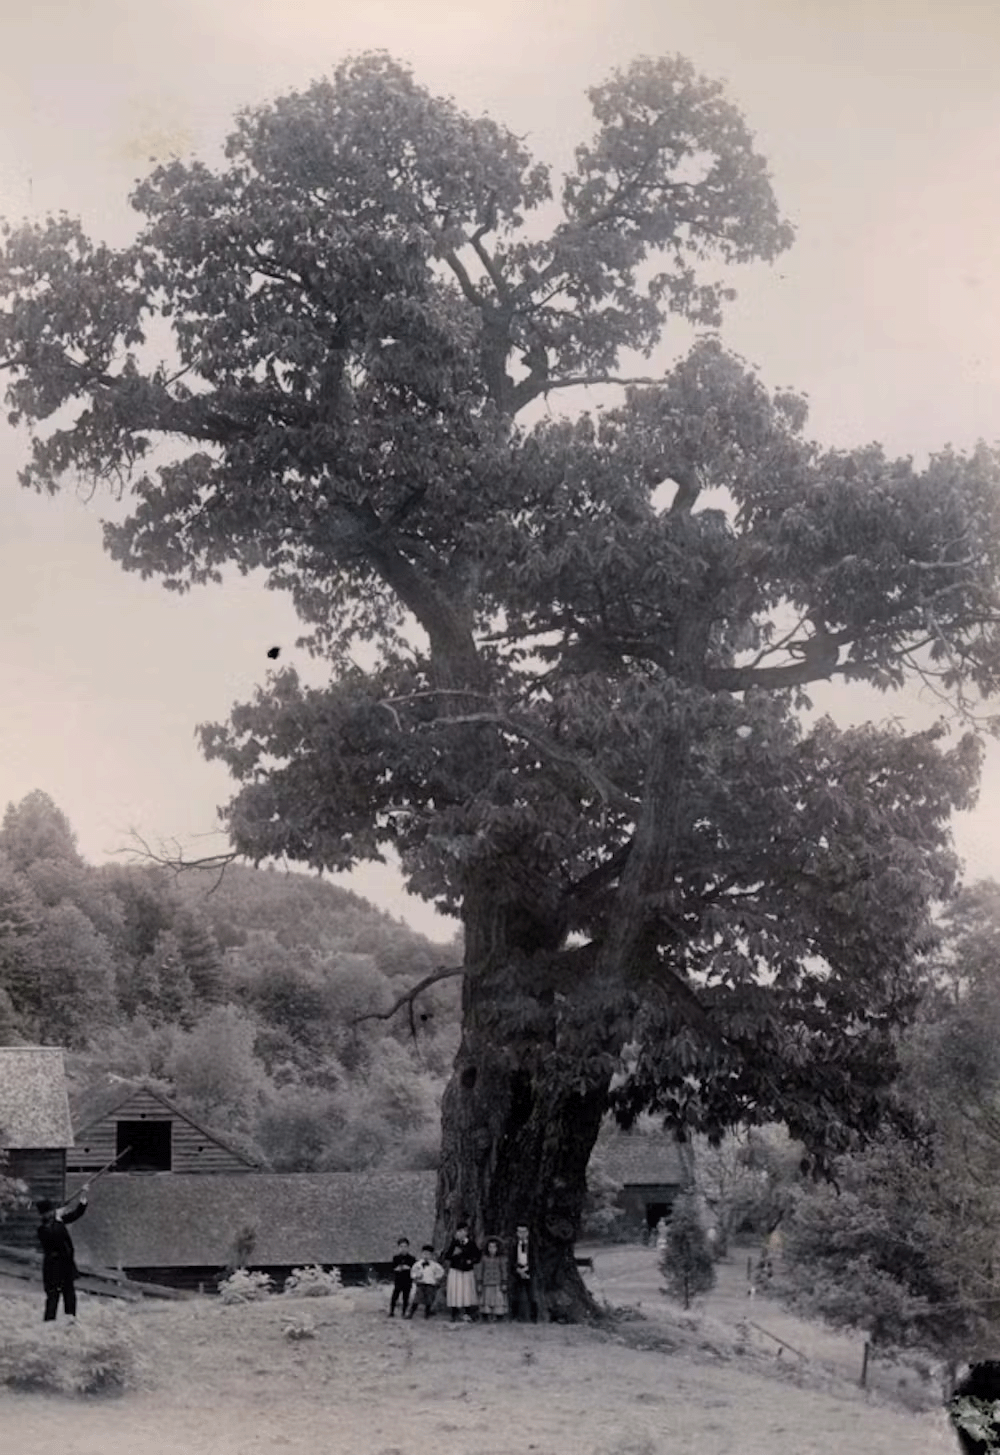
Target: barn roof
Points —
{"points": [[94, 1103], [638, 1159], [177, 1220], [100, 1101], [34, 1106]]}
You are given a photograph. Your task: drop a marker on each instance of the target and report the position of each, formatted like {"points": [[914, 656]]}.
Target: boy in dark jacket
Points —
{"points": [[59, 1271], [402, 1276]]}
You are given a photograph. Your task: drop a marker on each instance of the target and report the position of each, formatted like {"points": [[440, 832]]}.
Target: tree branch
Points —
{"points": [[796, 674], [443, 972], [492, 271], [608, 791], [573, 381], [583, 888], [451, 641], [469, 289], [178, 864]]}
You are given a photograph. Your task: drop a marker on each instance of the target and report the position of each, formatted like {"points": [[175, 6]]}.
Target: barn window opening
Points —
{"points": [[146, 1146], [654, 1212]]}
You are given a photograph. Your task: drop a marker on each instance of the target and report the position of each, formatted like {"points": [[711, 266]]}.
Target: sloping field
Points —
{"points": [[228, 1381]]}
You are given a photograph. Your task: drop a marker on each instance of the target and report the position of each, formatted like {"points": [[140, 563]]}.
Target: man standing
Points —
{"points": [[522, 1293], [58, 1262]]}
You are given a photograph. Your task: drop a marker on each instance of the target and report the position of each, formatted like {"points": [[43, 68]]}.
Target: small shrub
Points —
{"points": [[97, 1356], [297, 1329], [312, 1282], [245, 1286], [686, 1262]]}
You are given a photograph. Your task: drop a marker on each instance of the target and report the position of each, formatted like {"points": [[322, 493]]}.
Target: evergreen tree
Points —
{"points": [[201, 958], [686, 1262]]}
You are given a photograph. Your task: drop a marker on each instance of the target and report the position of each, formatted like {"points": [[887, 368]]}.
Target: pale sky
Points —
{"points": [[882, 125]]}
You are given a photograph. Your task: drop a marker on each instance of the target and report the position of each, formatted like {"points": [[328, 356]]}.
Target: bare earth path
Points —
{"points": [[227, 1381]]}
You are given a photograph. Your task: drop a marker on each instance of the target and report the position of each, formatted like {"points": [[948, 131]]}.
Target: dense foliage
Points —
{"points": [[906, 1241], [747, 1180], [587, 640], [240, 994]]}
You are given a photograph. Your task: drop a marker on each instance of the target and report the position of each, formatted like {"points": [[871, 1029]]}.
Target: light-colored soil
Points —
{"points": [[228, 1381]]}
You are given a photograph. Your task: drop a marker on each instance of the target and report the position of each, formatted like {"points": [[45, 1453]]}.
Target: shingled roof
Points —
{"points": [[188, 1220], [94, 1102], [647, 1160], [34, 1106]]}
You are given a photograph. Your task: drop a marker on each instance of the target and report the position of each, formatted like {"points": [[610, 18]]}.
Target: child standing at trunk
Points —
{"points": [[427, 1278], [491, 1278]]}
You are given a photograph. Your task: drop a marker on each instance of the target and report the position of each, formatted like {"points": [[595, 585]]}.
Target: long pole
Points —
{"points": [[106, 1168]]}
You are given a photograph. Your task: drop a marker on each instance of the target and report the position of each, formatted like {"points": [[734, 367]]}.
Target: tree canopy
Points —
{"points": [[587, 639]]}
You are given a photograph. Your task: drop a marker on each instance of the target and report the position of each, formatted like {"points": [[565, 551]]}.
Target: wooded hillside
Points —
{"points": [[241, 995]]}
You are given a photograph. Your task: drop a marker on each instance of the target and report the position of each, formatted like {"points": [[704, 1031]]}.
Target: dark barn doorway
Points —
{"points": [[149, 1146], [654, 1212]]}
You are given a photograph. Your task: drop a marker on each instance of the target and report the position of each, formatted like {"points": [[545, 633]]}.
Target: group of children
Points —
{"points": [[477, 1282]]}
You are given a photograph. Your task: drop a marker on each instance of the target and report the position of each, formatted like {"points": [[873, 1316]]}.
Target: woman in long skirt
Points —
{"points": [[462, 1255]]}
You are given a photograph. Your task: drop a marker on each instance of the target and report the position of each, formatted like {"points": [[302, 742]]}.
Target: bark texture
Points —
{"points": [[516, 1138]]}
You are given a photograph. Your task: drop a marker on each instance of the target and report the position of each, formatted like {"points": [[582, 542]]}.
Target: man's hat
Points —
{"points": [[44, 1206]]}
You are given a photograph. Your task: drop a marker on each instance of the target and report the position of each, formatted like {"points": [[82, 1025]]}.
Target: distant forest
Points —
{"points": [[239, 995]]}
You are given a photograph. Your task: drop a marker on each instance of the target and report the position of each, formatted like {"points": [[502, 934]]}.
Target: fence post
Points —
{"points": [[864, 1366]]}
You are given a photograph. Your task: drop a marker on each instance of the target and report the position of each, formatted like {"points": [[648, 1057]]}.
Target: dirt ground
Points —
{"points": [[228, 1381]]}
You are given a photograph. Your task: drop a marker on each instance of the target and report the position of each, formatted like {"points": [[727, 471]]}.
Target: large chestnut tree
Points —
{"points": [[587, 634]]}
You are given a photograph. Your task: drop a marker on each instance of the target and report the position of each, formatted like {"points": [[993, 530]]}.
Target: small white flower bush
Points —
{"points": [[312, 1283], [244, 1286]]}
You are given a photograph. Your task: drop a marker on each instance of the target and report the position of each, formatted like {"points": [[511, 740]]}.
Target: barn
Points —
{"points": [[35, 1131], [652, 1170], [182, 1205], [185, 1229], [143, 1131]]}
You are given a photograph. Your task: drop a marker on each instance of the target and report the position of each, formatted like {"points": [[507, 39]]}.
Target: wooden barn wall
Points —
{"points": [[207, 1279], [191, 1150], [191, 1280], [636, 1197], [45, 1173]]}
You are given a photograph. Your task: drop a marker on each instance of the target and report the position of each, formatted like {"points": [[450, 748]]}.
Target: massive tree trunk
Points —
{"points": [[516, 1133], [528, 1091]]}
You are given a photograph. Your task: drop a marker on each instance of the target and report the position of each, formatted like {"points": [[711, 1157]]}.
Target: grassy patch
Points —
{"points": [[98, 1356]]}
